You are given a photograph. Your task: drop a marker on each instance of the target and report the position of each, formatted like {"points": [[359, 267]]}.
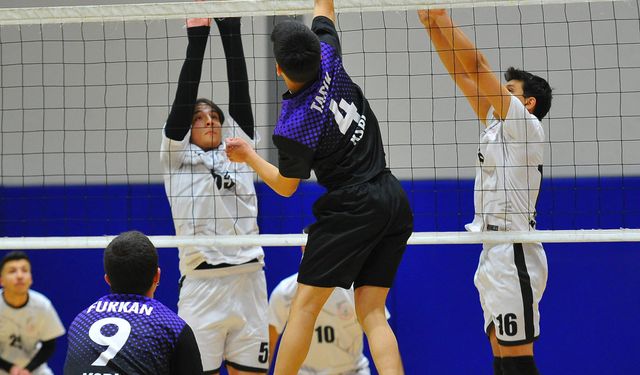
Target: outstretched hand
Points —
{"points": [[196, 22], [428, 16], [238, 150]]}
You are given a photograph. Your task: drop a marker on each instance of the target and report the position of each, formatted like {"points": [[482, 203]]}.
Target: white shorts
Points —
{"points": [[229, 318], [511, 279]]}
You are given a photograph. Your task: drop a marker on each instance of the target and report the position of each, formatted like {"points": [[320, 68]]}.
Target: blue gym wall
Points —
{"points": [[590, 310]]}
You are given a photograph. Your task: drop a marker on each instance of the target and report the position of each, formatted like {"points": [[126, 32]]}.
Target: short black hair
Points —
{"points": [[14, 255], [131, 262], [533, 86], [213, 106], [297, 50]]}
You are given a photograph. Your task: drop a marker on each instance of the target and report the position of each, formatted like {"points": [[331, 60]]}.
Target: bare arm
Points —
{"points": [[465, 81], [324, 8], [239, 151], [488, 91]]}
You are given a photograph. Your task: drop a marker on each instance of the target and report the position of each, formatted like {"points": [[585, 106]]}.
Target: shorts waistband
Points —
{"points": [[501, 228], [205, 270], [494, 228]]}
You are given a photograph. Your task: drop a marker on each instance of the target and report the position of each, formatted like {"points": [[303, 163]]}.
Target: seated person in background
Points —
{"points": [[29, 325], [127, 331]]}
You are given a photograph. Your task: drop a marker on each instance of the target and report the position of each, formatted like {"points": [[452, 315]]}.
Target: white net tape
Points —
{"points": [[421, 238], [156, 11]]}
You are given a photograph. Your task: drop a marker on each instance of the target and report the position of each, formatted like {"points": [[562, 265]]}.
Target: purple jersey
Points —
{"points": [[129, 334], [328, 126]]}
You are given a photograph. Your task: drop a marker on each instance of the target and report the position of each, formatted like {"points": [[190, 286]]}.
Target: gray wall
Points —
{"points": [[85, 103]]}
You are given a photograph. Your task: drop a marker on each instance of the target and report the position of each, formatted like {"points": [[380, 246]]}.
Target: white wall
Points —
{"points": [[86, 103]]}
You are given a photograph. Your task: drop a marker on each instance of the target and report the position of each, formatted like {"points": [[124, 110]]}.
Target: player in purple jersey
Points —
{"points": [[127, 331], [364, 219]]}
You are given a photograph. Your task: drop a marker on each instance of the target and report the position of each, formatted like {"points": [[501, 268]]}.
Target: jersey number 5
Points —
{"points": [[114, 343]]}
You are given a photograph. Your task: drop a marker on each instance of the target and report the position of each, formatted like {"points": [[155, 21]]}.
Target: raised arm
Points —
{"points": [[324, 8], [237, 77], [478, 82], [179, 120], [465, 81]]}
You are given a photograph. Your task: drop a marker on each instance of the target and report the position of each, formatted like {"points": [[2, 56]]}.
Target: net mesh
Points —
{"points": [[85, 92]]}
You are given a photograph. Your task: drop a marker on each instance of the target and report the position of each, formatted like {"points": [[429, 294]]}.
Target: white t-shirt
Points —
{"points": [[509, 171], [23, 329], [210, 195], [336, 346]]}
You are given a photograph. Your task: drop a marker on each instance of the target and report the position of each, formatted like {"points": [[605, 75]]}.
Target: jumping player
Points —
{"points": [[364, 219], [510, 277], [127, 331], [29, 324], [336, 345], [223, 294]]}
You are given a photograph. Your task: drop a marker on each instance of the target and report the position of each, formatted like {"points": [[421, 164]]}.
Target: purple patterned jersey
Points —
{"points": [[126, 334], [328, 126]]}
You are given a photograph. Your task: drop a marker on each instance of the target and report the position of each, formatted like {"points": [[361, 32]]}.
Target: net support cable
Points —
{"points": [[418, 238], [226, 8]]}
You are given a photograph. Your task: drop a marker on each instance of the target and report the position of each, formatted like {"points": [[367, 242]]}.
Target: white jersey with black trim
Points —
{"points": [[336, 345], [23, 329], [509, 171], [210, 195]]}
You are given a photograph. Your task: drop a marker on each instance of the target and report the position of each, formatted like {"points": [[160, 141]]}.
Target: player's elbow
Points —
{"points": [[287, 186], [482, 63], [287, 191]]}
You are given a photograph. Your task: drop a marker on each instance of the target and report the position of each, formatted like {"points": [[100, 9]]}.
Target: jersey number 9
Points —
{"points": [[114, 343]]}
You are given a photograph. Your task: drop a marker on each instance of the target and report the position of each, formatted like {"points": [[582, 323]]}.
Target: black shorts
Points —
{"points": [[359, 237]]}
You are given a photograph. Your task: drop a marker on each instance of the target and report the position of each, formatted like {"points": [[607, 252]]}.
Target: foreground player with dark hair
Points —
{"points": [[364, 219], [510, 277], [223, 291], [127, 331], [29, 324]]}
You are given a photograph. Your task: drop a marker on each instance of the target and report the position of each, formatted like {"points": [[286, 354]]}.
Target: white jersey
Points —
{"points": [[509, 171], [336, 346], [209, 195], [23, 329]]}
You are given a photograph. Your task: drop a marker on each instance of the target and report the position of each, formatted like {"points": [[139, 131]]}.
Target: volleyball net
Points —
{"points": [[85, 92]]}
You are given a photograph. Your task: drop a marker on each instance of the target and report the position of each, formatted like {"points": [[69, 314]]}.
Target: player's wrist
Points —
{"points": [[197, 22]]}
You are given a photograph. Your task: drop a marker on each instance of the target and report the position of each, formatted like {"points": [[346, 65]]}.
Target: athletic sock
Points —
{"points": [[519, 366], [497, 366]]}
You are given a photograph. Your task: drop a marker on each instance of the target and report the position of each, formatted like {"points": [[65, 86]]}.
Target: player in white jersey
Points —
{"points": [[223, 294], [29, 325], [510, 277]]}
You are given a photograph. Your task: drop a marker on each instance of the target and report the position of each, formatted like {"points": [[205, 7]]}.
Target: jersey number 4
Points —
{"points": [[113, 343], [350, 114]]}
